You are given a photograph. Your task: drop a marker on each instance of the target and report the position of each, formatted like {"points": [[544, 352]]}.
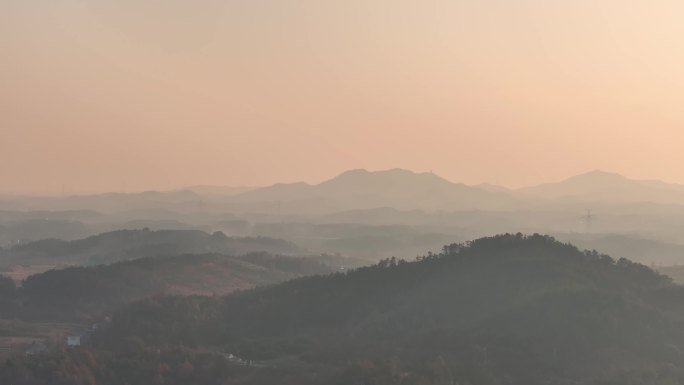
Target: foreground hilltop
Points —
{"points": [[509, 309]]}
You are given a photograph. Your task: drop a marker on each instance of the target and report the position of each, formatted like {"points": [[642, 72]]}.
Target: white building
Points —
{"points": [[74, 341]]}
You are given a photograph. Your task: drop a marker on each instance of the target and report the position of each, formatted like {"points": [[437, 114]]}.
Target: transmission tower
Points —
{"points": [[588, 219]]}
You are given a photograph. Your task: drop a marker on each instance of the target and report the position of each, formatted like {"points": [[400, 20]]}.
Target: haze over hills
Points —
{"points": [[81, 294], [133, 244], [107, 202], [362, 189], [406, 190], [638, 249], [242, 192], [403, 212], [466, 314], [502, 310]]}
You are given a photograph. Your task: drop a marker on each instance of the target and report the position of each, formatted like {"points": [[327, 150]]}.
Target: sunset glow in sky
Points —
{"points": [[108, 95]]}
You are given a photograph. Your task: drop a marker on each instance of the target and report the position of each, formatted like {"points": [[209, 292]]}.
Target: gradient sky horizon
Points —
{"points": [[111, 95]]}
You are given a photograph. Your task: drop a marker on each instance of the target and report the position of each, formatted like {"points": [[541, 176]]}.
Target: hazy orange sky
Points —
{"points": [[149, 94]]}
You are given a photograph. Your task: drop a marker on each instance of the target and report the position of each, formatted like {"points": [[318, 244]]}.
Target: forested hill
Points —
{"points": [[130, 244], [509, 309], [88, 293]]}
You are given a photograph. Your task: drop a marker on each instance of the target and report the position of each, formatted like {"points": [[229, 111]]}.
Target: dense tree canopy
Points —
{"points": [[86, 293], [510, 309]]}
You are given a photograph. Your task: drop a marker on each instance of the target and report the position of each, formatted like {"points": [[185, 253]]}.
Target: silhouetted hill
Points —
{"points": [[362, 189], [131, 244], [493, 187], [600, 186], [78, 293], [508, 309]]}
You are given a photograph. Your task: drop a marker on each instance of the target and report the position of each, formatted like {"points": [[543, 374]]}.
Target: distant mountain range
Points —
{"points": [[600, 186], [398, 188], [403, 189], [362, 189]]}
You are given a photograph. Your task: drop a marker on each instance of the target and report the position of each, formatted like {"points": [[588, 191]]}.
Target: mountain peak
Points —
{"points": [[395, 174], [603, 186], [598, 175], [398, 188]]}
